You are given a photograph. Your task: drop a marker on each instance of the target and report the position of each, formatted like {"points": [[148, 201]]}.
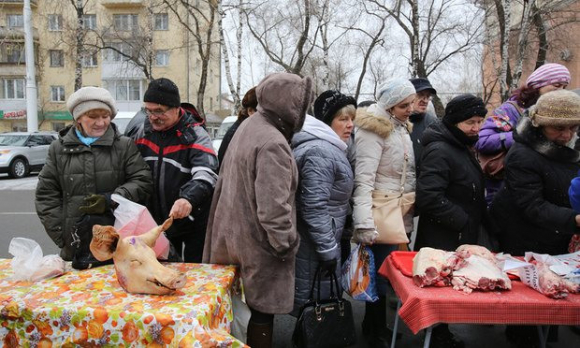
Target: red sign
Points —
{"points": [[15, 115]]}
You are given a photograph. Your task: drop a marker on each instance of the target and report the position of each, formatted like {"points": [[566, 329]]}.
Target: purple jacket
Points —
{"points": [[496, 133]]}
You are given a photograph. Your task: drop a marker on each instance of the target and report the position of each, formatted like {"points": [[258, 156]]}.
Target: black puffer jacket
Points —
{"points": [[184, 165], [73, 170], [450, 192], [322, 202], [533, 209]]}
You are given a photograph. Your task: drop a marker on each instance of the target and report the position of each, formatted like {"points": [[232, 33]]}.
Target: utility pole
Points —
{"points": [[31, 92]]}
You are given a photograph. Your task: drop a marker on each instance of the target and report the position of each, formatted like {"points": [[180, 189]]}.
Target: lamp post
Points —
{"points": [[31, 92]]}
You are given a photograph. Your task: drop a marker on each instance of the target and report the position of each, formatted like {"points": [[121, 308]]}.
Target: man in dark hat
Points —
{"points": [[422, 116], [179, 152]]}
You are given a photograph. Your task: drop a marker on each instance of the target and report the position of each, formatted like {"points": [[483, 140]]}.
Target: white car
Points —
{"points": [[23, 152], [122, 119], [224, 127]]}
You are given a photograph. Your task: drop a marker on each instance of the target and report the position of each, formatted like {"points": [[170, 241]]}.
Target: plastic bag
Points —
{"points": [[359, 274], [29, 264], [133, 219]]}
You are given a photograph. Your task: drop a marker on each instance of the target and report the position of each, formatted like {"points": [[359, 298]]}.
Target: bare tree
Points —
{"points": [[235, 90]]}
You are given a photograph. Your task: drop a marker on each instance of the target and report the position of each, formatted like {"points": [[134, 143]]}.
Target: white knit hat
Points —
{"points": [[90, 98], [393, 92]]}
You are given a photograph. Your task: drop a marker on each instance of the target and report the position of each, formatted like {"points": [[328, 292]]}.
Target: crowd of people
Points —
{"points": [[295, 189]]}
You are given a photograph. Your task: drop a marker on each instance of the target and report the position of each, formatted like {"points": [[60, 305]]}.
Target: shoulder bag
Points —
{"points": [[325, 322]]}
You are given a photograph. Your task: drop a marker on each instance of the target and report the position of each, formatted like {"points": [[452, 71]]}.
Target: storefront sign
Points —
{"points": [[14, 115]]}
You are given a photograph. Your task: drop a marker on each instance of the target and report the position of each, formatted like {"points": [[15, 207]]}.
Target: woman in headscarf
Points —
{"points": [[496, 135], [384, 160]]}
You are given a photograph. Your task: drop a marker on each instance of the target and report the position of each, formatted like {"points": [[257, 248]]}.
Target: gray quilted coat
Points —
{"points": [[322, 199]]}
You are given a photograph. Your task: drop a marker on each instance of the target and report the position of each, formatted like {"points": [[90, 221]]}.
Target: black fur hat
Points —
{"points": [[328, 103]]}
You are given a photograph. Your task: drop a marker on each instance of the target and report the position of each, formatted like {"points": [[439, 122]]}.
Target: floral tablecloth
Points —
{"points": [[89, 309]]}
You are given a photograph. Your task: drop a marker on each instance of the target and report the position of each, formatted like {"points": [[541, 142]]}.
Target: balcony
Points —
{"points": [[121, 3], [16, 3], [15, 34]]}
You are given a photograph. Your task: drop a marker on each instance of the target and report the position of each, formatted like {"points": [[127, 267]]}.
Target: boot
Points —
{"points": [[260, 335], [375, 324], [441, 337]]}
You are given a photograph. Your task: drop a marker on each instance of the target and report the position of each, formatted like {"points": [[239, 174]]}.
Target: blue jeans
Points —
{"points": [[381, 251]]}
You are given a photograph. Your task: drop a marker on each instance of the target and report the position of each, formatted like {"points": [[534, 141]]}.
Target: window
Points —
{"points": [[161, 21], [162, 57], [125, 22], [89, 21], [15, 21], [128, 90], [119, 53], [12, 53], [89, 60], [54, 22], [13, 88], [56, 58], [57, 93]]}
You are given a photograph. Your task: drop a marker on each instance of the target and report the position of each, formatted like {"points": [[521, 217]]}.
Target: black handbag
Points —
{"points": [[325, 322], [83, 234]]}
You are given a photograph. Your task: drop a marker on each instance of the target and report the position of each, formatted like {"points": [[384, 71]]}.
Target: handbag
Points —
{"points": [[325, 322], [388, 210], [83, 234]]}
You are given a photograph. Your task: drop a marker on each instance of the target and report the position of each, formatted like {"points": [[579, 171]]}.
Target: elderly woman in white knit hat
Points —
{"points": [[89, 162], [385, 168]]}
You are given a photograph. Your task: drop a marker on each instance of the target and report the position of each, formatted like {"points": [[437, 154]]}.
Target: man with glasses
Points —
{"points": [[184, 165], [423, 116]]}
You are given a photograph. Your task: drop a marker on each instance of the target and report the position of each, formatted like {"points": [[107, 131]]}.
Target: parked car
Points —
{"points": [[123, 119], [224, 127], [23, 152]]}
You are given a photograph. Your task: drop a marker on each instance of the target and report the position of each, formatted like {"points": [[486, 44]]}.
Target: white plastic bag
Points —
{"points": [[242, 314], [29, 264], [133, 219]]}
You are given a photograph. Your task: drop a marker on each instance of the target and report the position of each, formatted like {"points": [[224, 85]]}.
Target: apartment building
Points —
{"points": [[114, 44]]}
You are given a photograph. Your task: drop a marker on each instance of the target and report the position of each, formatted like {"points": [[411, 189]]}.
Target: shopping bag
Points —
{"points": [[133, 219], [359, 276], [388, 210], [325, 322], [82, 236]]}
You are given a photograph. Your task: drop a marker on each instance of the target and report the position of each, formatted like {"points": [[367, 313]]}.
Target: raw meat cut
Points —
{"points": [[479, 272], [466, 250], [552, 285], [433, 267]]}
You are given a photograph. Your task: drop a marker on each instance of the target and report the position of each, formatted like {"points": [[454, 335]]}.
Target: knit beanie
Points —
{"points": [[463, 107], [90, 98], [548, 74], [556, 108], [393, 92], [328, 103], [162, 91]]}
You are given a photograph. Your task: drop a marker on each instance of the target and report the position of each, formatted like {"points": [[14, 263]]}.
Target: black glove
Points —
{"points": [[327, 267], [94, 204]]}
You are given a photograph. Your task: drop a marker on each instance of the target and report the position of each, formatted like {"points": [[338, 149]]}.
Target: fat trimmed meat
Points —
{"points": [[479, 272], [433, 267], [552, 285]]}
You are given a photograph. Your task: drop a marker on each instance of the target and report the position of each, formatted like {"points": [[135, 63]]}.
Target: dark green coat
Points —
{"points": [[73, 170]]}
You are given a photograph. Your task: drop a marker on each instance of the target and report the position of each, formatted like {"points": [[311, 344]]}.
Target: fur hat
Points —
{"points": [[328, 103], [162, 91], [548, 74], [463, 107], [556, 108], [393, 92], [90, 98]]}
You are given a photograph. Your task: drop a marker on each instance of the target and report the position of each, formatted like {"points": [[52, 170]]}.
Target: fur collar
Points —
{"points": [[533, 137], [378, 121]]}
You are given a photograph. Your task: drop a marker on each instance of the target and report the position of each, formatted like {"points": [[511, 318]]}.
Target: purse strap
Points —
{"points": [[333, 284], [405, 162]]}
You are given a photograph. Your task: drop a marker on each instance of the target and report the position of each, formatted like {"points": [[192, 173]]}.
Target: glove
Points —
{"points": [[94, 204], [365, 236], [327, 267]]}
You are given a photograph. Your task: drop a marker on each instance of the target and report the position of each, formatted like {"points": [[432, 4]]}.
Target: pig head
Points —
{"points": [[138, 270]]}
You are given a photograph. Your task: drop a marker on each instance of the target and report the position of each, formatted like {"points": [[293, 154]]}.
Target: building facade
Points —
{"points": [[115, 44]]}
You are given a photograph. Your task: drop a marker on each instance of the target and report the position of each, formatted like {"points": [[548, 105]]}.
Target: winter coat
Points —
{"points": [[253, 220], [420, 121], [496, 133], [381, 144], [450, 192], [184, 165], [227, 139], [533, 209], [112, 164], [322, 202]]}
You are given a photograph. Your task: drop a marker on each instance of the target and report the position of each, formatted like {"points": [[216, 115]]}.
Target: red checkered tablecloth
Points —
{"points": [[423, 307]]}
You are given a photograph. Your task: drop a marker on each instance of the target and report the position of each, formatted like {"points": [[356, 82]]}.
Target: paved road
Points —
{"points": [[18, 219]]}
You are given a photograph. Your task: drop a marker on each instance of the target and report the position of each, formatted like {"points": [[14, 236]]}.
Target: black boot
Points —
{"points": [[375, 324], [260, 335]]}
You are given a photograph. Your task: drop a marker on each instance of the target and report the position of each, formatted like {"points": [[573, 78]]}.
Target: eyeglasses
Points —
{"points": [[157, 112], [426, 97]]}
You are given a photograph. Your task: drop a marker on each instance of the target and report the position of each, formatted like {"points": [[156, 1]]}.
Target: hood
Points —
{"points": [[439, 132], [375, 119], [315, 129], [533, 137], [283, 99]]}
